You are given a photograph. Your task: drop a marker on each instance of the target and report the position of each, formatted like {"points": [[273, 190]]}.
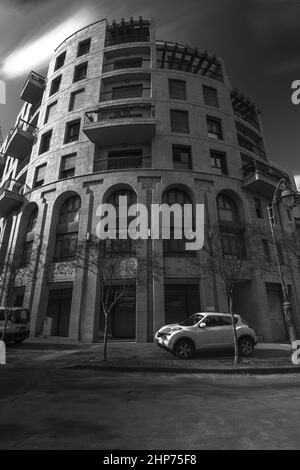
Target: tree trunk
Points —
{"points": [[105, 336], [236, 345]]}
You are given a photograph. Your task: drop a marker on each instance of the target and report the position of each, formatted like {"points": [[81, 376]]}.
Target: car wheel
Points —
{"points": [[246, 346], [184, 349]]}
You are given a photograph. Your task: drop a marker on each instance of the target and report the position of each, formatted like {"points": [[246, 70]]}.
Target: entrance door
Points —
{"points": [[181, 300], [279, 331], [121, 323], [59, 309]]}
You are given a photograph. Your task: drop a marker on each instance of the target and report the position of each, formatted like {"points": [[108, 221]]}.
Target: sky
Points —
{"points": [[259, 41]]}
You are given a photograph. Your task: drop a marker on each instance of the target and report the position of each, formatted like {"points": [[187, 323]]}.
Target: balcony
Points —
{"points": [[20, 140], [125, 92], [244, 109], [121, 124], [11, 197], [251, 147], [127, 32], [261, 178], [133, 63], [123, 163], [33, 89]]}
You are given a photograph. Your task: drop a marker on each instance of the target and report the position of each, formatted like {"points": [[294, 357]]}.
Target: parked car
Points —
{"points": [[17, 328], [205, 331]]}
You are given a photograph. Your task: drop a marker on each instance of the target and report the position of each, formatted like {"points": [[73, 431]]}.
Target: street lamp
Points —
{"points": [[285, 195]]}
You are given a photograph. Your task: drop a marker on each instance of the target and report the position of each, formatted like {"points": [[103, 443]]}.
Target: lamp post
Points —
{"points": [[285, 195]]}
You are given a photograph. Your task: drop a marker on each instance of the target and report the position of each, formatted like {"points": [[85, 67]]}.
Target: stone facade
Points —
{"points": [[121, 145]]}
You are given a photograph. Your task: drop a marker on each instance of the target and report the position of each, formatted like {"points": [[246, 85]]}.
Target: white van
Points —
{"points": [[17, 328]]}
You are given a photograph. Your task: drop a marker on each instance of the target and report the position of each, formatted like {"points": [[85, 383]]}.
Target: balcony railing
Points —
{"points": [[261, 178], [248, 119], [134, 92], [266, 170], [127, 38], [11, 196], [120, 112], [133, 123], [33, 89], [123, 163], [130, 64], [248, 145], [20, 139]]}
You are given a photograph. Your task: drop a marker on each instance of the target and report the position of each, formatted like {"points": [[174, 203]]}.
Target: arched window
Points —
{"points": [[67, 229], [120, 246], [176, 247], [29, 237], [231, 229]]}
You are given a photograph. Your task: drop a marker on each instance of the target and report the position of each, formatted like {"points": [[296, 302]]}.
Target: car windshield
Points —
{"points": [[192, 320], [20, 316]]}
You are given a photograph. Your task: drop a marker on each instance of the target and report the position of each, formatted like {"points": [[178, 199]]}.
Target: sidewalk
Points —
{"points": [[126, 356]]}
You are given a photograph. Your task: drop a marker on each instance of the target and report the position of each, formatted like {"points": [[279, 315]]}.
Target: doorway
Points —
{"points": [[58, 313]]}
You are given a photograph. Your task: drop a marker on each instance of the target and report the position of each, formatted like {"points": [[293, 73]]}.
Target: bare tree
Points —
{"points": [[231, 268], [116, 275]]}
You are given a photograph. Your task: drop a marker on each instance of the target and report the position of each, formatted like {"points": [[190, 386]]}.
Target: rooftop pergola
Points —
{"points": [[179, 57], [244, 108], [135, 30]]}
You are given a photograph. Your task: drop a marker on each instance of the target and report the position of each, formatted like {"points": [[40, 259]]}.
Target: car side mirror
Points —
{"points": [[202, 325]]}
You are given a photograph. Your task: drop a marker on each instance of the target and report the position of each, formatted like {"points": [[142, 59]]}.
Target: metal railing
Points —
{"points": [[136, 92], [248, 119], [123, 163], [124, 112], [14, 186], [25, 126], [130, 64], [266, 170], [248, 145], [127, 38]]}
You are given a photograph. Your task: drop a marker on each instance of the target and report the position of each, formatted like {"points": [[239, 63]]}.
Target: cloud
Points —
{"points": [[37, 51]]}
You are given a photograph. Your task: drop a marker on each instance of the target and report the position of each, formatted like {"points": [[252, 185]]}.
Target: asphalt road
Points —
{"points": [[45, 407]]}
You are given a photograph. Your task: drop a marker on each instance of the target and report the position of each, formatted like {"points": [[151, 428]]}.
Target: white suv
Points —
{"points": [[204, 331]]}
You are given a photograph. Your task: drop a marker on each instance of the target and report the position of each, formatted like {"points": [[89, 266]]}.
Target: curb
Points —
{"points": [[181, 370]]}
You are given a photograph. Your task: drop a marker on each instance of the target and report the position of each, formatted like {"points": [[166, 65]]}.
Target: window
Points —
{"points": [[84, 47], [128, 63], [55, 85], [27, 252], [177, 89], [67, 229], [231, 231], [179, 121], [67, 168], [182, 157], [66, 246], [214, 128], [281, 254], [125, 159], [39, 176], [72, 131], [76, 99], [45, 142], [289, 215], [32, 221], [120, 246], [80, 72], [50, 111], [69, 212], [227, 209], [232, 244], [266, 250], [173, 246], [130, 91], [258, 208], [210, 96], [218, 161], [60, 61]]}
